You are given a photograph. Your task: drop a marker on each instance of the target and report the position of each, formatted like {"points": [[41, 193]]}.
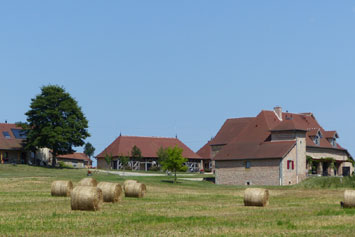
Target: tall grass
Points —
{"points": [[328, 182]]}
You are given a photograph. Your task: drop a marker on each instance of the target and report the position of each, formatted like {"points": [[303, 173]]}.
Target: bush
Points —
{"points": [[127, 167], [62, 165], [154, 168], [328, 182]]}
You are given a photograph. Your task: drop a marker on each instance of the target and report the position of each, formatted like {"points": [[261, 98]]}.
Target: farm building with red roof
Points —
{"points": [[275, 148], [11, 144], [12, 150], [149, 146], [76, 160]]}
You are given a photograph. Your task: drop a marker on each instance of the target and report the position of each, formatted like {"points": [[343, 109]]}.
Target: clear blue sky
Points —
{"points": [[157, 68]]}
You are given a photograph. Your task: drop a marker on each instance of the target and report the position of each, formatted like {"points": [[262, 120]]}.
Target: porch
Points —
{"points": [[327, 167]]}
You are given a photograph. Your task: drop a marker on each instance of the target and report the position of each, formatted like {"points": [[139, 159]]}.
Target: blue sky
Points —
{"points": [[161, 68]]}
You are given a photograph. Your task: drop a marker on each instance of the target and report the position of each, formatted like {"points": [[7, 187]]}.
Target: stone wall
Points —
{"points": [[289, 176], [293, 176], [102, 164], [261, 172], [301, 157]]}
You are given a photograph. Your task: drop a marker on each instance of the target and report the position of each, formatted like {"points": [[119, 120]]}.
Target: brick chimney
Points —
{"points": [[278, 112]]}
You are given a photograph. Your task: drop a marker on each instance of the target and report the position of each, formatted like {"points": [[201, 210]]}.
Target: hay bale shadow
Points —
{"points": [[170, 181]]}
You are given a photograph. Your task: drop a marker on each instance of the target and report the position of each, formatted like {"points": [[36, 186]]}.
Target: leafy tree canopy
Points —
{"points": [[55, 121], [174, 161], [136, 153], [89, 149], [108, 159], [162, 154], [124, 160]]}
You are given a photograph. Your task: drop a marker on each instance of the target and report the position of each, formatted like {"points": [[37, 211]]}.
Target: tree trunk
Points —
{"points": [[175, 176], [54, 161]]}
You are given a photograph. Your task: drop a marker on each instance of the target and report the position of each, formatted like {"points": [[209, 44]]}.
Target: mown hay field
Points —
{"points": [[184, 209]]}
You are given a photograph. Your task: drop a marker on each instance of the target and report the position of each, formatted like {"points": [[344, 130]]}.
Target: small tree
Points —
{"points": [[174, 161], [162, 154], [124, 161], [108, 159], [136, 153], [89, 149]]}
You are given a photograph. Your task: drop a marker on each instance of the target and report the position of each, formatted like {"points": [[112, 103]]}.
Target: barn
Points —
{"points": [[149, 146]]}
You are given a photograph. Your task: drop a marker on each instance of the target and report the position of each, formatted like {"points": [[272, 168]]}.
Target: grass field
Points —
{"points": [[184, 209]]}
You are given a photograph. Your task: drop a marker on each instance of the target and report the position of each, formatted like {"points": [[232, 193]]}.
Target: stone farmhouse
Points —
{"points": [[149, 146], [76, 160], [12, 150], [275, 148]]}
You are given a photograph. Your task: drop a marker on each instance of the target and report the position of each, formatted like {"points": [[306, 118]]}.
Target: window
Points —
{"points": [[333, 142], [18, 133], [6, 134], [290, 165], [247, 164], [319, 134], [316, 140]]}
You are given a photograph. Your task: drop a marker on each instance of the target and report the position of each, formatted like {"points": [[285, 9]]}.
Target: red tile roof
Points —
{"points": [[9, 143], [252, 142], [230, 129], [250, 150], [288, 125], [205, 151], [250, 137], [331, 134], [148, 146], [75, 156], [313, 132]]}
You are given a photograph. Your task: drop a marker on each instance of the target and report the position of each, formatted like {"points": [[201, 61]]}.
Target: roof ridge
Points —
{"points": [[147, 137], [241, 118]]}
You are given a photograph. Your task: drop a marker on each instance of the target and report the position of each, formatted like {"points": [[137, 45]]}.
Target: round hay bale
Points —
{"points": [[349, 198], [88, 182], [111, 191], [256, 197], [135, 190], [86, 198], [128, 182], [61, 188]]}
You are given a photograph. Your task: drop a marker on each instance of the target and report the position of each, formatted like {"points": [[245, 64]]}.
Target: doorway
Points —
{"points": [[346, 171]]}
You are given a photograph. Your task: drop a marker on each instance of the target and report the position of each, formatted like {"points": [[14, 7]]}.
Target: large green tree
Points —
{"points": [[174, 161], [55, 121]]}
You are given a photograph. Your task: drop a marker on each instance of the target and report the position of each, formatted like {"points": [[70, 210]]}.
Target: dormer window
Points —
{"points": [[6, 134], [317, 137], [316, 140], [332, 137], [333, 142]]}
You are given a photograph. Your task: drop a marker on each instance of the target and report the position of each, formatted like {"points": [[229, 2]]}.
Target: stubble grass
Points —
{"points": [[184, 209]]}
